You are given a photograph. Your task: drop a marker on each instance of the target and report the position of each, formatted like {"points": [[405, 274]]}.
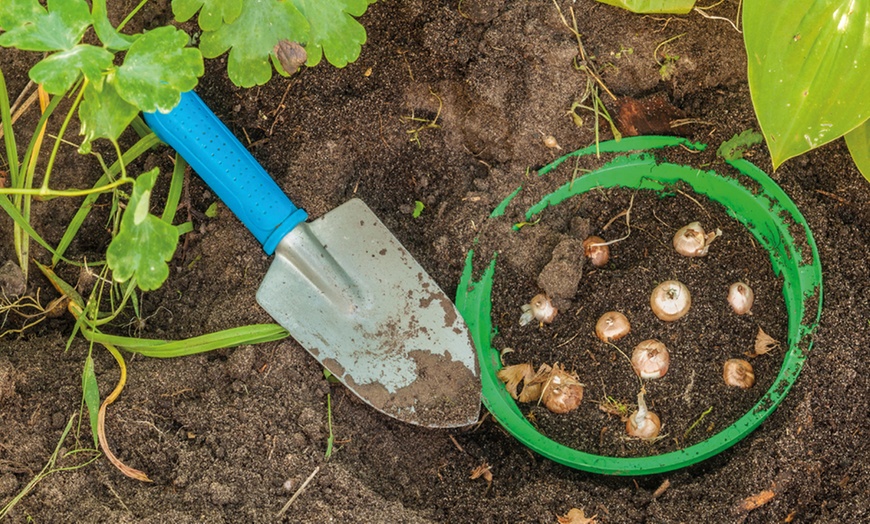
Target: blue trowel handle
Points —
{"points": [[218, 157]]}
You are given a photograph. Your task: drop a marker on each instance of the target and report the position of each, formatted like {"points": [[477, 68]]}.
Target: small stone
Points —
{"points": [[12, 282]]}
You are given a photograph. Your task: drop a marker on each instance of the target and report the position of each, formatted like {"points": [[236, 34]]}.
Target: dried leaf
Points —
{"points": [[513, 375], [651, 115], [577, 516], [764, 343], [482, 471], [533, 388]]}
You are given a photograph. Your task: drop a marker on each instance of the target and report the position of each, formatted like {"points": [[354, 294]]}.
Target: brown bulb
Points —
{"points": [[612, 325], [738, 373], [596, 250], [650, 359], [564, 391]]}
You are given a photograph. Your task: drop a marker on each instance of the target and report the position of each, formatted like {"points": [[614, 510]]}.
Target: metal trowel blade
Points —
{"points": [[350, 294]]}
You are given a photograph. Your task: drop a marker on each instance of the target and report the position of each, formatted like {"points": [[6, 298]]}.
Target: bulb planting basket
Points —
{"points": [[753, 199]]}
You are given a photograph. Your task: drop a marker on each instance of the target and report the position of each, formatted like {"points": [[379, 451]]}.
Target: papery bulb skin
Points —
{"points": [[596, 250], [741, 297], [612, 326], [650, 359], [670, 300]]}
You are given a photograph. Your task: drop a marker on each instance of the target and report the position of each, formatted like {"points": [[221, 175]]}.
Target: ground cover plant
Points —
{"points": [[233, 434]]}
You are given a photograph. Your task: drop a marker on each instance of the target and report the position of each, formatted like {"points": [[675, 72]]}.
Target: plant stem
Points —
{"points": [[131, 15], [60, 134]]}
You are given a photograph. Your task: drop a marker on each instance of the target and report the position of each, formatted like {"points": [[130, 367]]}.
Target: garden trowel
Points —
{"points": [[342, 285]]}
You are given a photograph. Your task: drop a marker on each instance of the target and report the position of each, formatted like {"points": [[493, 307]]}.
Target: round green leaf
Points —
{"points": [[214, 13], [252, 37], [158, 68], [807, 70], [30, 27], [104, 114], [144, 242], [334, 30], [57, 72]]}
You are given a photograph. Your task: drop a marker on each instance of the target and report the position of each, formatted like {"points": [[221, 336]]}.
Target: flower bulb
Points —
{"points": [[670, 300], [650, 359], [741, 297], [738, 373], [596, 250], [692, 241], [540, 309], [612, 325]]}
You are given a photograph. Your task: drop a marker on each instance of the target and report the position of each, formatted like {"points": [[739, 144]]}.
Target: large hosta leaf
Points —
{"points": [[808, 73], [858, 141]]}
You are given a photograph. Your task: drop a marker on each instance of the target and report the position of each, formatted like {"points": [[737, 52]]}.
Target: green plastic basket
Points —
{"points": [[753, 199]]}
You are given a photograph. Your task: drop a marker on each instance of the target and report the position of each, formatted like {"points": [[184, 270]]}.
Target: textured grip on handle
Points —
{"points": [[218, 157]]}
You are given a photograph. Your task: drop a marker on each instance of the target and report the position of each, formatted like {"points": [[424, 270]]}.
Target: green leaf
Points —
{"points": [[106, 31], [251, 38], [807, 70], [30, 27], [734, 148], [858, 141], [214, 14], [91, 394], [157, 69], [59, 71], [677, 7], [418, 209], [334, 30], [104, 114], [144, 242]]}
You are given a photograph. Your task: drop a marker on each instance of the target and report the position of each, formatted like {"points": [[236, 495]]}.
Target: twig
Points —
{"points": [[456, 443], [695, 201], [298, 492], [661, 489]]}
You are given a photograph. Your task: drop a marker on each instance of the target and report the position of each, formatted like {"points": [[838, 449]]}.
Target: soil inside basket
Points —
{"points": [[692, 399]]}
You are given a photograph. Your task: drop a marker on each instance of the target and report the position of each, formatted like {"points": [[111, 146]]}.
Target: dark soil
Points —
{"points": [[229, 436]]}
